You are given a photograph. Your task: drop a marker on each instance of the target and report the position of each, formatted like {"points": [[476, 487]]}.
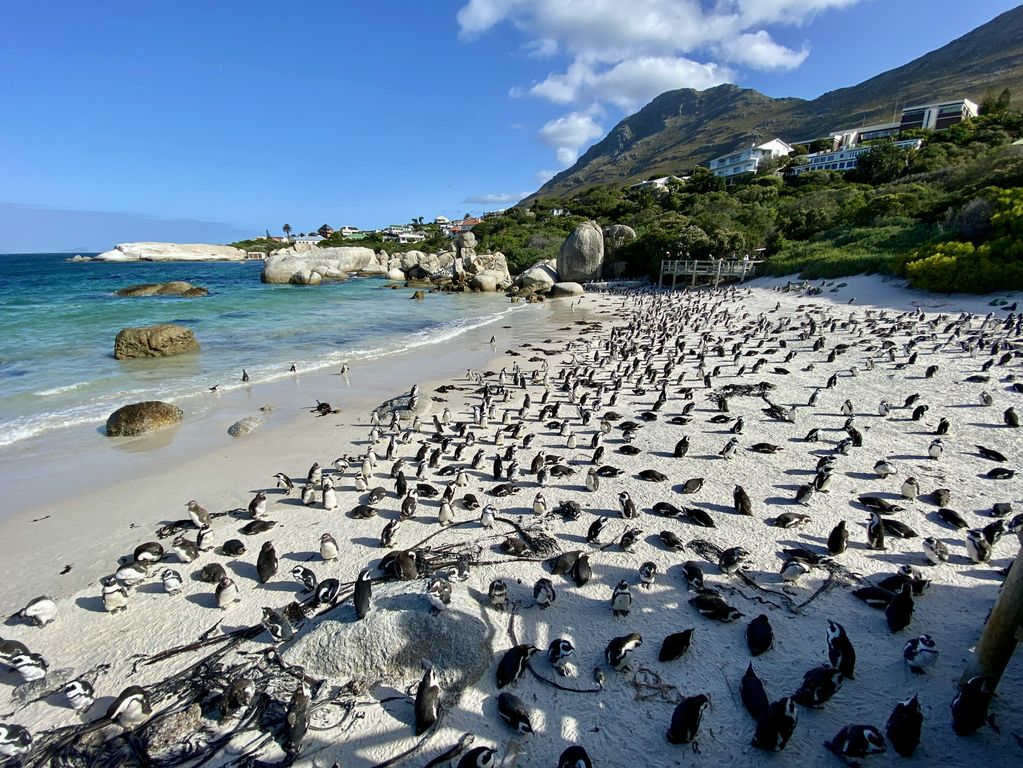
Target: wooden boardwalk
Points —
{"points": [[712, 270]]}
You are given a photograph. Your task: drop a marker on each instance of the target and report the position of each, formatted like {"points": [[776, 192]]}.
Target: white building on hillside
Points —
{"points": [[411, 237], [935, 117], [748, 160], [844, 159], [657, 184]]}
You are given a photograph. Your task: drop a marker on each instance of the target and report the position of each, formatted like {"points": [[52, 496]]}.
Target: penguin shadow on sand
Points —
{"points": [[203, 599], [92, 603], [301, 557], [150, 588]]}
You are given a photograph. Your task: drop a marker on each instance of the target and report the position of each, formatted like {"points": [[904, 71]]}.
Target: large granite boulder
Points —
{"points": [[616, 236], [245, 426], [142, 418], [483, 282], [173, 288], [538, 278], [146, 251], [327, 263], [154, 341], [395, 274], [582, 254], [559, 290], [400, 634]]}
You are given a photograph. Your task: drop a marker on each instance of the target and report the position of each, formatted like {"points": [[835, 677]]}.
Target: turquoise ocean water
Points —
{"points": [[58, 321]]}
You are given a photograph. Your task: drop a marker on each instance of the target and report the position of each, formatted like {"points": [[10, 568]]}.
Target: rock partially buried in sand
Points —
{"points": [[242, 427], [483, 282], [395, 274], [173, 288], [154, 341], [142, 418], [399, 632], [566, 289]]}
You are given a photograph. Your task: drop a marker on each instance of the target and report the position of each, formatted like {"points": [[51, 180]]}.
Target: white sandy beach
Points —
{"points": [[95, 522]]}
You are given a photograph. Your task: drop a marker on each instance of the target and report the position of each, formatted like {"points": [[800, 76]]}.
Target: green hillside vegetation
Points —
{"points": [[948, 216]]}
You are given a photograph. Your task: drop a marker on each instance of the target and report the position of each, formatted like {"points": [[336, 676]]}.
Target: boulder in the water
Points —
{"points": [[161, 340], [142, 418]]}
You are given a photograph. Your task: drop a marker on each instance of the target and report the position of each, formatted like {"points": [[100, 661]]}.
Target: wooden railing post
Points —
{"points": [[1003, 629]]}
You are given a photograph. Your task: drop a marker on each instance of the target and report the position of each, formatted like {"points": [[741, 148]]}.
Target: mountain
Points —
{"points": [[683, 128]]}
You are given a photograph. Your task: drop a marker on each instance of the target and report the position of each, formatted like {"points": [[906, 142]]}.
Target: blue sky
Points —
{"points": [[210, 121]]}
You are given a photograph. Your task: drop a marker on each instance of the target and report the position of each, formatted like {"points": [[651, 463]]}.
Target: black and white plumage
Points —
{"points": [[875, 531], [732, 559], [438, 592], [621, 599], [920, 653], [841, 653], [131, 574], [900, 610], [326, 592], [629, 539], [818, 686], [559, 652], [305, 577], [543, 593], [498, 594], [759, 635], [627, 506], [197, 514], [513, 664], [80, 694], [296, 720], [713, 606], [619, 650], [513, 711], [685, 720], [40, 611], [15, 740], [857, 741], [234, 548], [29, 666], [427, 702], [978, 548], [479, 757], [904, 726], [596, 528], [675, 645], [237, 697], [970, 706], [574, 757], [130, 708], [266, 562], [148, 552], [115, 596], [935, 550], [277, 625], [172, 581], [647, 574], [257, 506], [226, 593], [329, 549], [776, 725]]}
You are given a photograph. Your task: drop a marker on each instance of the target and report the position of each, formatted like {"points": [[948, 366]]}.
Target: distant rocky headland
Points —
{"points": [[588, 253]]}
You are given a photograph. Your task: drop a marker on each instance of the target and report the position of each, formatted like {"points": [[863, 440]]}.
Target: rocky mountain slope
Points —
{"points": [[683, 128]]}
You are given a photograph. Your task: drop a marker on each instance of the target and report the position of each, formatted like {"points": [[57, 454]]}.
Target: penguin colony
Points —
{"points": [[537, 442]]}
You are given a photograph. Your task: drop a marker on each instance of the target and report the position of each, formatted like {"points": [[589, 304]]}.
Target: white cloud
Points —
{"points": [[625, 53], [567, 134], [759, 51]]}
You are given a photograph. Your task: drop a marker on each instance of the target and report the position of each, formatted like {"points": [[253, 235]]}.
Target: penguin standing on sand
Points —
{"points": [[621, 599], [841, 653], [558, 654], [115, 597], [920, 653], [900, 610], [329, 549], [266, 562], [685, 720], [838, 539], [904, 726], [875, 532], [197, 514]]}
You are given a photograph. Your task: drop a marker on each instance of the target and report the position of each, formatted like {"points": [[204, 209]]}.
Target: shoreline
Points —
{"points": [[97, 529], [147, 467]]}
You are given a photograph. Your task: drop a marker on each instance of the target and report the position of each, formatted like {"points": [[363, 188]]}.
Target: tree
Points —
{"points": [[884, 162], [325, 231], [287, 231]]}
